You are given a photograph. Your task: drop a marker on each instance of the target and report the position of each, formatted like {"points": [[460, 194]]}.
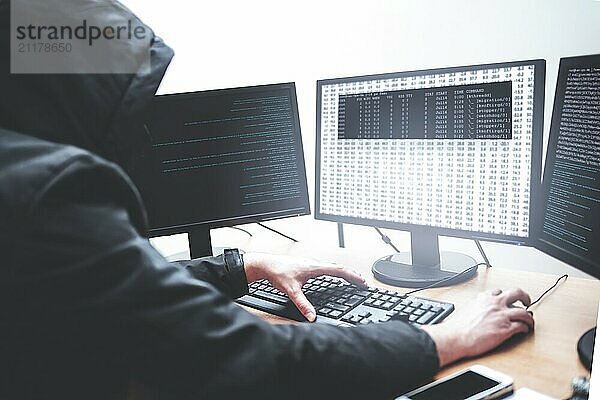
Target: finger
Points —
{"points": [[300, 300], [518, 327], [496, 292], [336, 270], [516, 295], [522, 316]]}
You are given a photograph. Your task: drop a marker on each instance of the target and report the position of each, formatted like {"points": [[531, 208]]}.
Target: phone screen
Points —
{"points": [[458, 388]]}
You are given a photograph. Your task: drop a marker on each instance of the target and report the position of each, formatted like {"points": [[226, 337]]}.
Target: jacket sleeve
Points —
{"points": [[225, 272], [180, 334]]}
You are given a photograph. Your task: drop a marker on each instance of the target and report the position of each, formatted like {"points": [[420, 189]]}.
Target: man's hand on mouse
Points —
{"points": [[289, 274], [491, 319]]}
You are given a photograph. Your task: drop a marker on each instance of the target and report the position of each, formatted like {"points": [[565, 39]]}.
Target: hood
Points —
{"points": [[102, 113]]}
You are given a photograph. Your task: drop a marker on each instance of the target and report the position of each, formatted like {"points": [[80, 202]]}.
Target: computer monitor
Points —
{"points": [[568, 219], [221, 158], [451, 151]]}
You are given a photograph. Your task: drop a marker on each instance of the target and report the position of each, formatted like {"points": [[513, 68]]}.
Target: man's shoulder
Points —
{"points": [[29, 167]]}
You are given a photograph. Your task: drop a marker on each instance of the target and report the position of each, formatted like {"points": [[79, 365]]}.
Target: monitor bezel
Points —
{"points": [[536, 152], [540, 213], [155, 231]]}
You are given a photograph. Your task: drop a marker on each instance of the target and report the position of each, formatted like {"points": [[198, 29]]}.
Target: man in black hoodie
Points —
{"points": [[87, 305]]}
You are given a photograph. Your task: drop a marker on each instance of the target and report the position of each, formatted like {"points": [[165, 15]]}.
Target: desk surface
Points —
{"points": [[545, 361]]}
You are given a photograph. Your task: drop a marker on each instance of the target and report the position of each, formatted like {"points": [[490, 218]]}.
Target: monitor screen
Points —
{"points": [[224, 157], [569, 218], [457, 150]]}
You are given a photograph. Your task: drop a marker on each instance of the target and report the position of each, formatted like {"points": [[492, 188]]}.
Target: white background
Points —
{"points": [[223, 43]]}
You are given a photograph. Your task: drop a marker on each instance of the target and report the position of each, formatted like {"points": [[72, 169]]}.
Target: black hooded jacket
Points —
{"points": [[87, 305]]}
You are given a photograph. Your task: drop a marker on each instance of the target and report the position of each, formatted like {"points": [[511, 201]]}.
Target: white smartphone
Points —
{"points": [[475, 383]]}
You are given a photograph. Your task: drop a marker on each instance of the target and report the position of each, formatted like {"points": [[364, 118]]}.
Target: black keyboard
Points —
{"points": [[338, 302]]}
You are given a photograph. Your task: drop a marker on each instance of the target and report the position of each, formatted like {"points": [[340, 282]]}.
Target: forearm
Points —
{"points": [[449, 343], [225, 272], [323, 361]]}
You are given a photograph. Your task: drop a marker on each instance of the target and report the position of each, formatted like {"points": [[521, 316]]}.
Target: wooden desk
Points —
{"points": [[545, 361]]}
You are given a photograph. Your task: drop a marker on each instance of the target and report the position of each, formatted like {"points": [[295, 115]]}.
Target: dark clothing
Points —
{"points": [[86, 304], [102, 113]]}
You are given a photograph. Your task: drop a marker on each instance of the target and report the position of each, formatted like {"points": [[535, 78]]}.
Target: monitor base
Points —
{"points": [[397, 270], [585, 348]]}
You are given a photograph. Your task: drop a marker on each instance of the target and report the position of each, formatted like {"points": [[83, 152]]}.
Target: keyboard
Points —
{"points": [[338, 302]]}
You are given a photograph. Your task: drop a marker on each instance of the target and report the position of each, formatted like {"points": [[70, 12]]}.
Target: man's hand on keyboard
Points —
{"points": [[491, 319], [288, 274]]}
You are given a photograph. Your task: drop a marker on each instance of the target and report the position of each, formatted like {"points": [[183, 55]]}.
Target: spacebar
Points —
{"points": [[272, 297]]}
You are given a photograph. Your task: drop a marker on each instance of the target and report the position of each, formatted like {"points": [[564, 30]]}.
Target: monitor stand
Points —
{"points": [[424, 265], [585, 348], [200, 244]]}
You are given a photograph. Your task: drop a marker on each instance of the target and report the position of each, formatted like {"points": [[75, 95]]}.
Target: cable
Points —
{"points": [[565, 276], [386, 239], [466, 271], [276, 231], [487, 261], [242, 230]]}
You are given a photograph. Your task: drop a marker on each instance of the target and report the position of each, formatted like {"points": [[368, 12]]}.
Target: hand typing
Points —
{"points": [[289, 274]]}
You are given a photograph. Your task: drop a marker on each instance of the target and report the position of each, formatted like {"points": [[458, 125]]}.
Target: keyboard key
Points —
{"points": [[324, 311], [426, 318], [270, 296], [335, 314], [387, 306], [339, 307], [377, 303], [399, 307], [412, 318], [385, 298], [400, 317], [409, 310], [352, 301], [368, 302], [419, 312], [347, 318]]}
